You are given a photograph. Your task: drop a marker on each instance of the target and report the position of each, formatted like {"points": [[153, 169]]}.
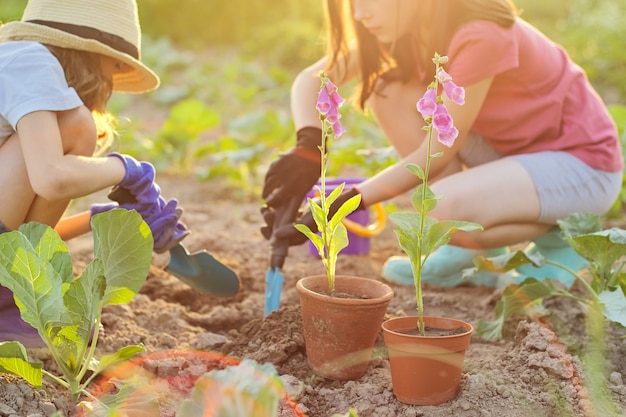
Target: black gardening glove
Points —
{"points": [[294, 173], [288, 233]]}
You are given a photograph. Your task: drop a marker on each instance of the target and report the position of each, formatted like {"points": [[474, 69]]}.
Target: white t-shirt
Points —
{"points": [[31, 79]]}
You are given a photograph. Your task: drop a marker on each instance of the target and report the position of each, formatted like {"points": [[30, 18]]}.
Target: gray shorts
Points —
{"points": [[563, 182]]}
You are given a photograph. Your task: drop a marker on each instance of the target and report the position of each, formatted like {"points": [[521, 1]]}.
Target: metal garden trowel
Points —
{"points": [[201, 271]]}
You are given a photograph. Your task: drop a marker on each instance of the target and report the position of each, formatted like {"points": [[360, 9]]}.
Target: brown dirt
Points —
{"points": [[535, 371]]}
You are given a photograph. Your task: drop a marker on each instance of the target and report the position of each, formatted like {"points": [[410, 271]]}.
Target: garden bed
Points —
{"points": [[534, 371]]}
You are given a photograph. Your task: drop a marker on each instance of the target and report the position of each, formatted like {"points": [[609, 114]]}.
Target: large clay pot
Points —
{"points": [[426, 370], [340, 331]]}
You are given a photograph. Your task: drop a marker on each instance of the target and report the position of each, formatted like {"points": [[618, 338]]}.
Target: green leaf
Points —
{"points": [[430, 202], [14, 360], [507, 261], [614, 305], [123, 242], [517, 299], [121, 356], [50, 247], [440, 232], [36, 285], [346, 208], [417, 170], [83, 300]]}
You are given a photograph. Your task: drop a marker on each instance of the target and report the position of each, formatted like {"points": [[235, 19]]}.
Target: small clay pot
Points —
{"points": [[426, 370], [340, 330]]}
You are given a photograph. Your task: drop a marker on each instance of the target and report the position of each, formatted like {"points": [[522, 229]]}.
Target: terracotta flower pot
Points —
{"points": [[426, 370], [340, 331]]}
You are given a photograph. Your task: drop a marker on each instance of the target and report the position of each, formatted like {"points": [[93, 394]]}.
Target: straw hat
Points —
{"points": [[107, 27]]}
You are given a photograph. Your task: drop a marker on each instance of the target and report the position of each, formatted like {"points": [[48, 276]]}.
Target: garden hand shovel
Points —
{"points": [[274, 279], [200, 270]]}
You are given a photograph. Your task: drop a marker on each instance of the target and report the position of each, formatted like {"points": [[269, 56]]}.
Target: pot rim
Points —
{"points": [[376, 299], [467, 325]]}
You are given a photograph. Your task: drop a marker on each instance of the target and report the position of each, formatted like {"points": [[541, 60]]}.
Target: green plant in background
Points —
{"points": [[333, 236], [419, 235], [36, 266], [603, 299], [603, 249]]}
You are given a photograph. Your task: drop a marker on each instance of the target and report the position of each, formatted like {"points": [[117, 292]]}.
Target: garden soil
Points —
{"points": [[536, 370]]}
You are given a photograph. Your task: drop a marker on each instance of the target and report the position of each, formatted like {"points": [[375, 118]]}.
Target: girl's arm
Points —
{"points": [[62, 168], [397, 179], [306, 86]]}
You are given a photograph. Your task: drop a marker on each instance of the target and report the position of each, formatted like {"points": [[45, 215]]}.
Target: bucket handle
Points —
{"points": [[371, 230]]}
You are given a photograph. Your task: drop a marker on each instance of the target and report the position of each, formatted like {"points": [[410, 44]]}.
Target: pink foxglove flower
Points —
{"points": [[328, 103], [428, 104], [323, 102], [443, 124], [456, 93]]}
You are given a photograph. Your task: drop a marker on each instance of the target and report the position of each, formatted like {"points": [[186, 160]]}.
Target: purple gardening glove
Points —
{"points": [[138, 180], [163, 218]]}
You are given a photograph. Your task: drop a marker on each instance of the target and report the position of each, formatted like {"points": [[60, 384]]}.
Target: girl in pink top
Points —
{"points": [[535, 143]]}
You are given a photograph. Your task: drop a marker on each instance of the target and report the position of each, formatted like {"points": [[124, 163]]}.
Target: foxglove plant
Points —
{"points": [[333, 235], [419, 235]]}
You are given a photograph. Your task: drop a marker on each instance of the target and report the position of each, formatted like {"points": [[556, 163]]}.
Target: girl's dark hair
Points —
{"points": [[403, 59], [83, 73]]}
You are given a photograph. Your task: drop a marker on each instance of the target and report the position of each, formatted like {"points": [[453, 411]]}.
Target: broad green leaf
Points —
{"points": [[36, 285], [517, 299], [123, 242], [118, 357], [334, 194], [14, 360], [614, 305], [602, 249], [315, 238], [440, 232], [416, 170], [83, 299], [430, 202], [50, 247], [577, 224], [339, 241], [347, 207], [508, 261]]}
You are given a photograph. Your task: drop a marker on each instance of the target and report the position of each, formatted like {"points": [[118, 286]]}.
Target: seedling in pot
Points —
{"points": [[36, 266], [419, 235], [333, 235]]}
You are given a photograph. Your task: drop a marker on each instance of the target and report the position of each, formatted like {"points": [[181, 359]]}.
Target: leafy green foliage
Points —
{"points": [[36, 266], [604, 249]]}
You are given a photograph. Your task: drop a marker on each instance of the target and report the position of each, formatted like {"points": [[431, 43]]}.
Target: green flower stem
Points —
{"points": [[326, 233]]}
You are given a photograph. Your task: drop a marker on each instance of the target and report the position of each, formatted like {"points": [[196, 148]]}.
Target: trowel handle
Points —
{"points": [[284, 214]]}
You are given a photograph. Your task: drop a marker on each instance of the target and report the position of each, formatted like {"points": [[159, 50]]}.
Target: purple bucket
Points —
{"points": [[358, 245]]}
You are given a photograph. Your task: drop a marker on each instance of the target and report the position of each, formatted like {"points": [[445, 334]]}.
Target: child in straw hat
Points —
{"points": [[58, 68]]}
